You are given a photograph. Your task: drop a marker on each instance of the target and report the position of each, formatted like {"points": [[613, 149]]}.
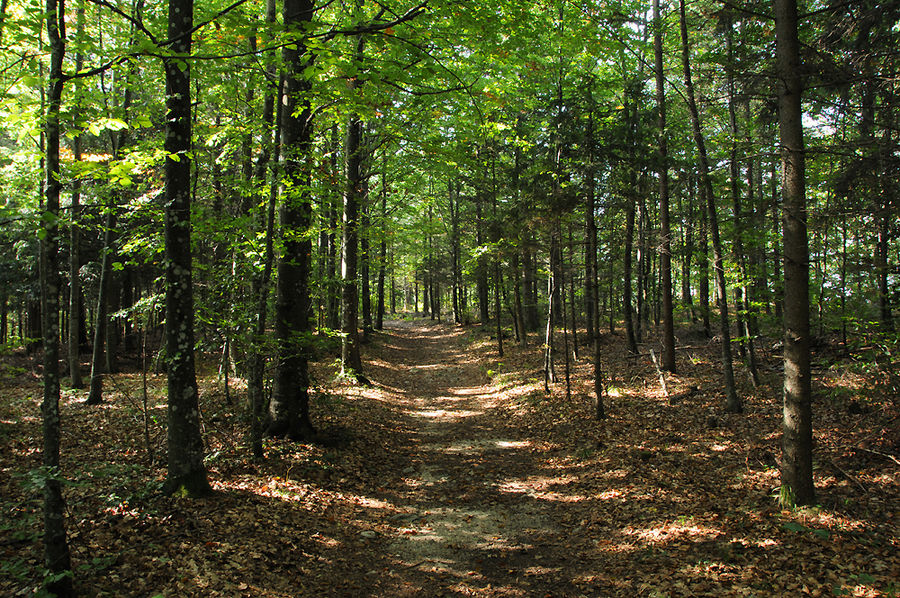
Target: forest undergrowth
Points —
{"points": [[454, 474]]}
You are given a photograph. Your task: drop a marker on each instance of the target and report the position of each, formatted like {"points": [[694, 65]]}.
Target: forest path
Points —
{"points": [[477, 513]]}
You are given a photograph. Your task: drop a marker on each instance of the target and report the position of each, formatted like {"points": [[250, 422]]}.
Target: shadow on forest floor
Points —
{"points": [[453, 474]]}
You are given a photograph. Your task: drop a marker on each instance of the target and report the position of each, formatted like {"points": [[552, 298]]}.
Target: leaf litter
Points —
{"points": [[455, 475]]}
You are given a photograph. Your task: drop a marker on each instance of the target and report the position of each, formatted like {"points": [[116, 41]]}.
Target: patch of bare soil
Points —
{"points": [[471, 519]]}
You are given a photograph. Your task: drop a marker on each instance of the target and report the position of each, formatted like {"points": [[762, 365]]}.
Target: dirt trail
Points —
{"points": [[477, 512]]}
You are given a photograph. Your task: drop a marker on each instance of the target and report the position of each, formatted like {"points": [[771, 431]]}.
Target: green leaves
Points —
{"points": [[106, 124]]}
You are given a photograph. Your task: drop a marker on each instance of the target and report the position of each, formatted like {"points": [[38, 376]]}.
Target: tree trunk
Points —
{"points": [[101, 319], [56, 548], [481, 277], [186, 472], [518, 311], [742, 292], [642, 262], [570, 269], [796, 468], [74, 352], [114, 293], [687, 249], [627, 299], [732, 401], [703, 265], [351, 363], [778, 274], [75, 378], [4, 315], [268, 160], [289, 407], [553, 285], [529, 284], [665, 252], [453, 199], [566, 361], [364, 261], [591, 306], [882, 268], [382, 250], [332, 283]]}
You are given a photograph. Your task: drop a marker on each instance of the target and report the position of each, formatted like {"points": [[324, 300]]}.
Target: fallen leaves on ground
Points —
{"points": [[454, 474]]}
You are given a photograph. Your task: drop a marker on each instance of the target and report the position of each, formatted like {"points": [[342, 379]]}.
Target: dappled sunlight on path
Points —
{"points": [[474, 519]]}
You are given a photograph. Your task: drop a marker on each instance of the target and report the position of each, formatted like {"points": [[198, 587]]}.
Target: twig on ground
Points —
{"points": [[659, 372], [847, 475], [889, 456]]}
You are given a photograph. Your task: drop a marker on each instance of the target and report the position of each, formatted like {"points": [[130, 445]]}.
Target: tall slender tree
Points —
{"points": [[186, 472], [796, 468], [665, 250], [75, 378], [289, 407], [351, 362], [732, 401], [56, 548]]}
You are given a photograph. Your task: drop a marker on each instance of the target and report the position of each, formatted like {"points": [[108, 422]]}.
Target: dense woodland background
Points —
{"points": [[564, 172]]}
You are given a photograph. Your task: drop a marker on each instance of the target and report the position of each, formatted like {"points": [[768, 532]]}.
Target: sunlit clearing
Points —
{"points": [[285, 490], [372, 503], [470, 447], [539, 487], [513, 443], [325, 540], [476, 529], [473, 391], [672, 531], [611, 495], [443, 414]]}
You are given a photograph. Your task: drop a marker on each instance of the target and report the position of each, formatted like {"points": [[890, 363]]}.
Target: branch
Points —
{"points": [[104, 67], [138, 23], [409, 15], [219, 14], [412, 92], [891, 457], [744, 10]]}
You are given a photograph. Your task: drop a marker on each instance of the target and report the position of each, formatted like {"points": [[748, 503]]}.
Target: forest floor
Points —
{"points": [[454, 474]]}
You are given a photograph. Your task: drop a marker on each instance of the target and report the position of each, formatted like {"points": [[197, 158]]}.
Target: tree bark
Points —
{"points": [[591, 306], [453, 199], [627, 298], [186, 472], [703, 265], [75, 378], [268, 160], [56, 548], [364, 259], [732, 401], [742, 291], [481, 273], [289, 408], [351, 363], [796, 468], [382, 250], [665, 251], [101, 319]]}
